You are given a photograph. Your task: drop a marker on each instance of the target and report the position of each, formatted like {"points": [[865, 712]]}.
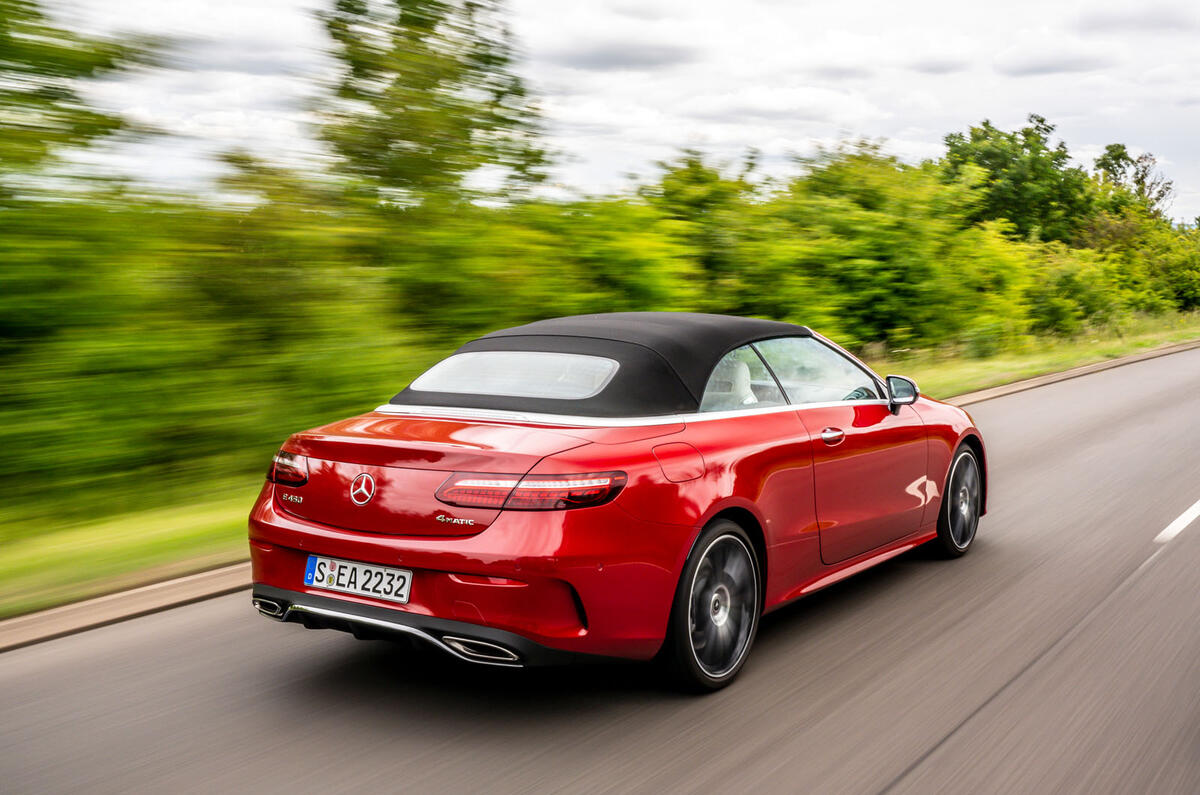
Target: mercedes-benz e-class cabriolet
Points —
{"points": [[638, 485]]}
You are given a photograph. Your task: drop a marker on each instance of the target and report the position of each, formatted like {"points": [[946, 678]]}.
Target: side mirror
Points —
{"points": [[901, 392]]}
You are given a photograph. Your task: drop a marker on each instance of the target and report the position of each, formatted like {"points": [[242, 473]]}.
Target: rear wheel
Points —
{"points": [[961, 502], [717, 605]]}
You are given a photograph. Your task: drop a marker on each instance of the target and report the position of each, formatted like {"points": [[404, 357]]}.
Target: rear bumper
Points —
{"points": [[469, 642], [593, 582]]}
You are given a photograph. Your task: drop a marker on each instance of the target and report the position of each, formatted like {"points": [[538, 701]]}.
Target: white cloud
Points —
{"points": [[628, 82], [623, 55], [939, 65], [793, 105], [1139, 18], [1050, 52]]}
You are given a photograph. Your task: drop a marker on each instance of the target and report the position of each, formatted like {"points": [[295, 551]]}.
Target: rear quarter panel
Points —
{"points": [[759, 464]]}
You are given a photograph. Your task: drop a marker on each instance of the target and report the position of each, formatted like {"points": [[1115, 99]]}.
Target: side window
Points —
{"points": [[740, 381], [815, 373]]}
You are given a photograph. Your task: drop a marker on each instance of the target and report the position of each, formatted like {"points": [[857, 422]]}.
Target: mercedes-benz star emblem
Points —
{"points": [[362, 489]]}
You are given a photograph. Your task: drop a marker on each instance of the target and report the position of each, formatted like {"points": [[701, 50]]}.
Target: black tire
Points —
{"points": [[958, 519], [714, 617]]}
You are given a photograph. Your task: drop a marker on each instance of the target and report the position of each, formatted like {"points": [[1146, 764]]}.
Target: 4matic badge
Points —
{"points": [[441, 517]]}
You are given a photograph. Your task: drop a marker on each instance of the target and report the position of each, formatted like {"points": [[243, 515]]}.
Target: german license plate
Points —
{"points": [[363, 579]]}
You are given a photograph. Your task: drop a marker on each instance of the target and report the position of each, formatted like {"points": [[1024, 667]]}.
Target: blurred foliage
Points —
{"points": [[427, 97], [156, 345], [41, 67]]}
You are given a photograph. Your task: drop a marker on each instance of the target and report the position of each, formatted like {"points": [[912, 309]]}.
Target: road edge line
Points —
{"points": [[68, 619], [1003, 390]]}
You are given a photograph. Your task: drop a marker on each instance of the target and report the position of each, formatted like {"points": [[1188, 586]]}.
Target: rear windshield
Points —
{"points": [[529, 374]]}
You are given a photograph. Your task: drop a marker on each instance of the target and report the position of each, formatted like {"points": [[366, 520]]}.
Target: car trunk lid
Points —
{"points": [[379, 474]]}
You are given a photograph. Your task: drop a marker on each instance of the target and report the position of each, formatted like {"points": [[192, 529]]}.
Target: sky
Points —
{"points": [[626, 83]]}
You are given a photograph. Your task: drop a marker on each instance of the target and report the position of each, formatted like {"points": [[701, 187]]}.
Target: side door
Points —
{"points": [[756, 449], [869, 465]]}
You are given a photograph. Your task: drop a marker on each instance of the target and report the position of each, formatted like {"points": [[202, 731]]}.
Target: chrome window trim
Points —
{"points": [[447, 412]]}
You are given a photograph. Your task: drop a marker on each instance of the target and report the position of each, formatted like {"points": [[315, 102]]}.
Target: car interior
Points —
{"points": [[729, 387]]}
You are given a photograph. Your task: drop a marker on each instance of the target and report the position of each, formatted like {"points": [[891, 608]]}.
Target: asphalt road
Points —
{"points": [[1061, 655]]}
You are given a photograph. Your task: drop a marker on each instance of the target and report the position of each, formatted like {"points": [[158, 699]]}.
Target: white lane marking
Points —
{"points": [[1176, 527]]}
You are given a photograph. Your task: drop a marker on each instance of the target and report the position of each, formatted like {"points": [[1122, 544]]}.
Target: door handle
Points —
{"points": [[832, 436]]}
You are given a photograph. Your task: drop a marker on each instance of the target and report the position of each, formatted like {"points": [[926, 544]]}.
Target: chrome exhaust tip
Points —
{"points": [[480, 650], [268, 607]]}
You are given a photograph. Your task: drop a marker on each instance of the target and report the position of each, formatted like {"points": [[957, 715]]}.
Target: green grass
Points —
{"points": [[89, 559], [943, 376], [123, 551]]}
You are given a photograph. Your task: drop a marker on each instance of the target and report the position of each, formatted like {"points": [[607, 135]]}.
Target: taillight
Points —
{"points": [[532, 492], [476, 490], [554, 492], [288, 469]]}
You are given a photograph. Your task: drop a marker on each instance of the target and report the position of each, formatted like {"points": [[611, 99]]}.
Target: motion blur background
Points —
{"points": [[224, 222]]}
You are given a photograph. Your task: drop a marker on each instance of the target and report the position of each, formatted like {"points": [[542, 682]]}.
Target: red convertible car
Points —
{"points": [[633, 485]]}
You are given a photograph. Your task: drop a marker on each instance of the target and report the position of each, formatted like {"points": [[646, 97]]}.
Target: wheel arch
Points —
{"points": [[745, 518]]}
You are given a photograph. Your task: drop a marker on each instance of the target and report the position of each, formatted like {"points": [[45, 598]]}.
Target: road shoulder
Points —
{"points": [[78, 616]]}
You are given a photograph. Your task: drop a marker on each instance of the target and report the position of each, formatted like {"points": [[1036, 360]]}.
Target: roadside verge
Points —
{"points": [[76, 617], [91, 613], [1075, 372]]}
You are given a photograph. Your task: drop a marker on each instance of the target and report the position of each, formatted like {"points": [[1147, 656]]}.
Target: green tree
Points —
{"points": [[46, 273], [1027, 180], [890, 252], [1137, 177], [697, 194], [41, 67], [427, 96]]}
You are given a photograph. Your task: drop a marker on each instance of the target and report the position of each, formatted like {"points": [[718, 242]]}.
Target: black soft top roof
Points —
{"points": [[665, 359]]}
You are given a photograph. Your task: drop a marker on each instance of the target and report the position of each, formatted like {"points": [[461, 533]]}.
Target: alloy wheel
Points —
{"points": [[723, 606], [963, 500]]}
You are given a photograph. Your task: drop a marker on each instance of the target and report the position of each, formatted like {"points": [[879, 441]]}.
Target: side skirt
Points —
{"points": [[848, 568]]}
